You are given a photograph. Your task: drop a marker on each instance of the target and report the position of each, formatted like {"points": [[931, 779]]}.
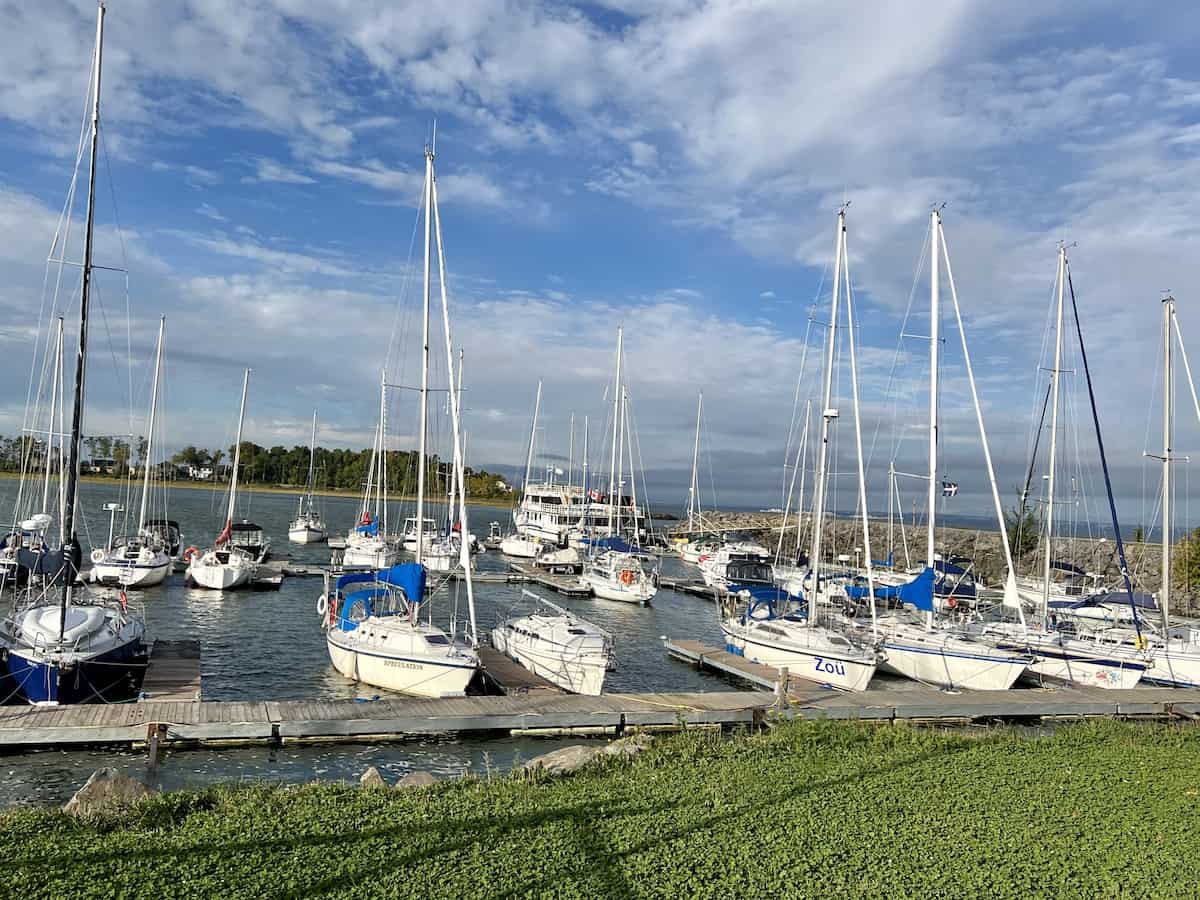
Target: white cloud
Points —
{"points": [[272, 171]]}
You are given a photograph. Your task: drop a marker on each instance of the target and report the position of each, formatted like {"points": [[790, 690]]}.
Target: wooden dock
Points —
{"points": [[694, 586], [173, 674], [567, 585], [511, 678]]}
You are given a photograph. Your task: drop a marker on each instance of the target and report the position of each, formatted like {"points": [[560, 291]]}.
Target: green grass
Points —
{"points": [[804, 810]]}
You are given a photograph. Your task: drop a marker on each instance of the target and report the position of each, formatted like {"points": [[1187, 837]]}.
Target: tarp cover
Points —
{"points": [[620, 545], [919, 591]]}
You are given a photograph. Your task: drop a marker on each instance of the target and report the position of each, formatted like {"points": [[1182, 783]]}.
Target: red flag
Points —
{"points": [[457, 526], [225, 534], [366, 517], [124, 598]]}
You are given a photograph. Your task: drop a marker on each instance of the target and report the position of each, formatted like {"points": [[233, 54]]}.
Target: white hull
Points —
{"points": [[217, 576], [1075, 660], [808, 652], [132, 575], [1176, 664], [949, 662], [405, 675], [520, 548], [579, 675], [606, 589], [368, 557], [307, 535]]}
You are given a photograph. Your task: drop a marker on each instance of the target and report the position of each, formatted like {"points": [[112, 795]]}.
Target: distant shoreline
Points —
{"points": [[499, 502]]}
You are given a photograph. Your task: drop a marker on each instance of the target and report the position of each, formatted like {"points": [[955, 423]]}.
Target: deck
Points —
{"points": [[567, 585], [173, 673], [511, 678]]}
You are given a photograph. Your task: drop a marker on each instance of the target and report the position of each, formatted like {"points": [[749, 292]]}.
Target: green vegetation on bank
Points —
{"points": [[803, 810]]}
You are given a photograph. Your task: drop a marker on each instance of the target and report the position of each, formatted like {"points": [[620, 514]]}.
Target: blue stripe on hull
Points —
{"points": [[114, 675]]}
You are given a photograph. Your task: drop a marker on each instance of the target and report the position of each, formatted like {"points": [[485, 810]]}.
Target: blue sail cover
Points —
{"points": [[1141, 600], [409, 577], [371, 529], [620, 545], [919, 591]]}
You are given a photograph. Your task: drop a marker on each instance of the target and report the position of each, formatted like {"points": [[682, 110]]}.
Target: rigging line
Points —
{"points": [[125, 267], [1112, 505]]}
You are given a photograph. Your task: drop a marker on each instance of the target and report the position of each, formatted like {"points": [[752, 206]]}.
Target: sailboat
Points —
{"points": [[1060, 653], [63, 643], [374, 633], [367, 543], [307, 527], [808, 640], [226, 566], [141, 559], [926, 651], [530, 529], [614, 569], [555, 643]]}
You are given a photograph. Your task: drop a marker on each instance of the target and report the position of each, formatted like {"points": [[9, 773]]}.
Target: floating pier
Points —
{"points": [[511, 678], [173, 673], [567, 585], [694, 586]]}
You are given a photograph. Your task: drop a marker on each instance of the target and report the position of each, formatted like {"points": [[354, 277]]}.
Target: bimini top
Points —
{"points": [[245, 526], [409, 577]]}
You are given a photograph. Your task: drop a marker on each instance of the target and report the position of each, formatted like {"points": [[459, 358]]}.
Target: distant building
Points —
{"points": [[99, 466], [200, 473]]}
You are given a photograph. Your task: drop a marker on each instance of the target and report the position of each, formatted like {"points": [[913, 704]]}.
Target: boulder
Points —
{"points": [[106, 792], [372, 779], [629, 746], [417, 779], [563, 761]]}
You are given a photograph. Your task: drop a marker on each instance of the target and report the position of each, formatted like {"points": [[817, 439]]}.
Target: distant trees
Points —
{"points": [[1023, 531]]}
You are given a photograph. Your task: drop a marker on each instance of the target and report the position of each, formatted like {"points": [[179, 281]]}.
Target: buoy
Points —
{"points": [[97, 555], [322, 606], [190, 553], [627, 576]]}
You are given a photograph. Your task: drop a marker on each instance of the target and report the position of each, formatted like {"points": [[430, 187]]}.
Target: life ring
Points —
{"points": [[97, 556], [322, 607], [190, 553], [951, 602], [627, 576]]}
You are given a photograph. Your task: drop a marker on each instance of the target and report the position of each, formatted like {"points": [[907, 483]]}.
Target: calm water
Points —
{"points": [[268, 645]]}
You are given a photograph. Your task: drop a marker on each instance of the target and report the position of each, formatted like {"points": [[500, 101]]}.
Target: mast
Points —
{"points": [[381, 479], [695, 462], [620, 457], [464, 549], [1164, 600], [424, 360], [633, 508], [571, 456], [71, 546], [162, 327], [585, 460], [935, 264], [537, 406], [862, 476], [612, 459], [312, 456], [237, 452], [828, 413], [1054, 375], [54, 402]]}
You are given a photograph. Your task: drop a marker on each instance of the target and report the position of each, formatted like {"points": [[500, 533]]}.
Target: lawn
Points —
{"points": [[803, 810]]}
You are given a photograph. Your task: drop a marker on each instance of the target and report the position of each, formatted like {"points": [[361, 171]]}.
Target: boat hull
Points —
{"points": [[365, 558], [574, 674], [219, 577], [131, 575], [622, 593], [404, 675], [952, 664], [113, 675], [307, 535], [822, 664]]}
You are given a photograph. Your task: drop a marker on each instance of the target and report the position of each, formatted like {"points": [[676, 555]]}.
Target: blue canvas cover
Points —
{"points": [[410, 577], [371, 529], [620, 545], [919, 591]]}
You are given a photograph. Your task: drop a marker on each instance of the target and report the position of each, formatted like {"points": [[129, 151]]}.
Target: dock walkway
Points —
{"points": [[510, 678], [567, 585]]}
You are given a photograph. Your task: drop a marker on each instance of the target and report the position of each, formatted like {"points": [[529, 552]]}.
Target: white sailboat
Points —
{"points": [[1094, 659], [141, 559], [614, 568], [308, 527], [62, 643], [924, 650], [558, 645], [224, 566], [812, 644], [374, 633], [368, 544]]}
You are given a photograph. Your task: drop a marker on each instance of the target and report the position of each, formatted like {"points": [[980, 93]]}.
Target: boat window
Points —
{"points": [[438, 640], [576, 631]]}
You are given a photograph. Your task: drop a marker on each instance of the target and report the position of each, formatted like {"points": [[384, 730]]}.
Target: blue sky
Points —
{"points": [[675, 166]]}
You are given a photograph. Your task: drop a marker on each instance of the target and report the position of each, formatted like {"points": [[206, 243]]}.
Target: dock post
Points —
{"points": [[781, 688], [157, 730]]}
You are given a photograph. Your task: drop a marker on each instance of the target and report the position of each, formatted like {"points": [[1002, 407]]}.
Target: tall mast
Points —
{"points": [[237, 451], [858, 446], [381, 473], [695, 462], [828, 413], [612, 459], [935, 264], [312, 459], [1164, 600], [571, 455], [537, 407], [162, 327], [71, 545], [1054, 376], [620, 457], [584, 473], [464, 548], [424, 359], [54, 402]]}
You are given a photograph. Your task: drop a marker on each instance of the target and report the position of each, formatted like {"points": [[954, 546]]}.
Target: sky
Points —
{"points": [[674, 167]]}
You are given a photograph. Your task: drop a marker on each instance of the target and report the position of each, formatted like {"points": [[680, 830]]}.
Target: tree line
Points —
{"points": [[336, 469]]}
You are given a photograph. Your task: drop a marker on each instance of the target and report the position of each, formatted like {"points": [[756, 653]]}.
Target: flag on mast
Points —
{"points": [[949, 488]]}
